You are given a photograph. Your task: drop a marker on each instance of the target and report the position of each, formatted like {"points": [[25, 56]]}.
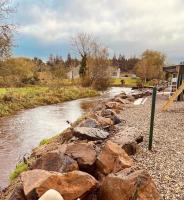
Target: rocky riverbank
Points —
{"points": [[94, 159]]}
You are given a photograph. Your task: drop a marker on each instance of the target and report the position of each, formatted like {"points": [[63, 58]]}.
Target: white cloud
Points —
{"points": [[127, 26]]}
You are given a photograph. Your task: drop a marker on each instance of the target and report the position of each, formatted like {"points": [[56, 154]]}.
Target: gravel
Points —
{"points": [[165, 162]]}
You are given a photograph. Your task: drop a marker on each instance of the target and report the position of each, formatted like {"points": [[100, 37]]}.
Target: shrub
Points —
{"points": [[45, 141], [122, 82], [140, 84], [21, 167]]}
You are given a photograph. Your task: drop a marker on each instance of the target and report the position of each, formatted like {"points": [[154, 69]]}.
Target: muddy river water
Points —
{"points": [[23, 131]]}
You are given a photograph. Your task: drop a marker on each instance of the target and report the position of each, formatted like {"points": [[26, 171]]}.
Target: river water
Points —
{"points": [[23, 131]]}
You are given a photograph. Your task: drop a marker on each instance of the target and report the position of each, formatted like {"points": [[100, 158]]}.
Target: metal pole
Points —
{"points": [[152, 118]]}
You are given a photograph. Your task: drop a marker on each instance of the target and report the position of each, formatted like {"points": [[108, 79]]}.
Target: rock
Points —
{"points": [[130, 98], [104, 121], [17, 193], [131, 134], [148, 93], [69, 164], [123, 95], [91, 123], [138, 95], [121, 100], [51, 195], [32, 180], [43, 149], [71, 185], [136, 185], [128, 139], [108, 113], [55, 161], [114, 105], [113, 159], [126, 143], [90, 133], [84, 153], [130, 148]]}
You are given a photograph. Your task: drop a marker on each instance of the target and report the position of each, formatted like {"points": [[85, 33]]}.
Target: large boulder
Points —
{"points": [[121, 100], [84, 153], [54, 161], [104, 121], [70, 185], [113, 158], [114, 105], [91, 123], [32, 180], [128, 139], [125, 186], [123, 95], [108, 113], [90, 133], [130, 98], [141, 94]]}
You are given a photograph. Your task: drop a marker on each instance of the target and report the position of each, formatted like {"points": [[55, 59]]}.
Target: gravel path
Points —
{"points": [[166, 162]]}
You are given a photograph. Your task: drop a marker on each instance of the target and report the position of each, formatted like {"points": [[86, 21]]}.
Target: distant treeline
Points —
{"points": [[125, 64]]}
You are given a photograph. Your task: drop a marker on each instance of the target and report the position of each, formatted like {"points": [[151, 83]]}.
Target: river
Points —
{"points": [[21, 132]]}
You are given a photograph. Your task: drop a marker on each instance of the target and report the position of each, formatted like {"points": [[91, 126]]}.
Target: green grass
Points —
{"points": [[21, 167], [15, 99], [129, 81], [45, 141]]}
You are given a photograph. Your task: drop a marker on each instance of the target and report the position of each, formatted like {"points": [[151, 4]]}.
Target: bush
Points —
{"points": [[101, 84], [140, 84], [86, 81], [122, 82]]}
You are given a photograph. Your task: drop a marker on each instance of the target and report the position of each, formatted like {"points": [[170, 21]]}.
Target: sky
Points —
{"points": [[124, 26]]}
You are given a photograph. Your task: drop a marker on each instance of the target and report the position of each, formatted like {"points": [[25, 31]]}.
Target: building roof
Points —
{"points": [[173, 68]]}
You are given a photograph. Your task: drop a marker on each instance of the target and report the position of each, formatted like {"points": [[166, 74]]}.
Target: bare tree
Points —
{"points": [[5, 29], [82, 43], [98, 67]]}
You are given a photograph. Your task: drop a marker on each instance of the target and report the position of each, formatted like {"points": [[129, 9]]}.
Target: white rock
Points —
{"points": [[51, 195]]}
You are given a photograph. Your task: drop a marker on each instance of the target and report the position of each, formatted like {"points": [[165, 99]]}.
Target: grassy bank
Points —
{"points": [[130, 82], [15, 99]]}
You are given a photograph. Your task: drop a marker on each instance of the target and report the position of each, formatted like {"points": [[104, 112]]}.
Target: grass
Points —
{"points": [[15, 99], [45, 141], [129, 81], [21, 167]]}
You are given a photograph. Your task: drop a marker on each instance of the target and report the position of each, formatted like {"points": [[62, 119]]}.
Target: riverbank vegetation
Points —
{"points": [[21, 167], [14, 99]]}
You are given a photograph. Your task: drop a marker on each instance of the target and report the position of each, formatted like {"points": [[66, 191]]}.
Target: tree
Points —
{"points": [[82, 44], [151, 65], [94, 69], [5, 29], [114, 61], [68, 62], [98, 71], [83, 67]]}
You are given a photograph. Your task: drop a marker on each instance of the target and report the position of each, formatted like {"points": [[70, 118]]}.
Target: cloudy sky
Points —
{"points": [[124, 26]]}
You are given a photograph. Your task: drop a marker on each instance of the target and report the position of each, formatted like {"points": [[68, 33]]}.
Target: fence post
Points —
{"points": [[154, 94]]}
